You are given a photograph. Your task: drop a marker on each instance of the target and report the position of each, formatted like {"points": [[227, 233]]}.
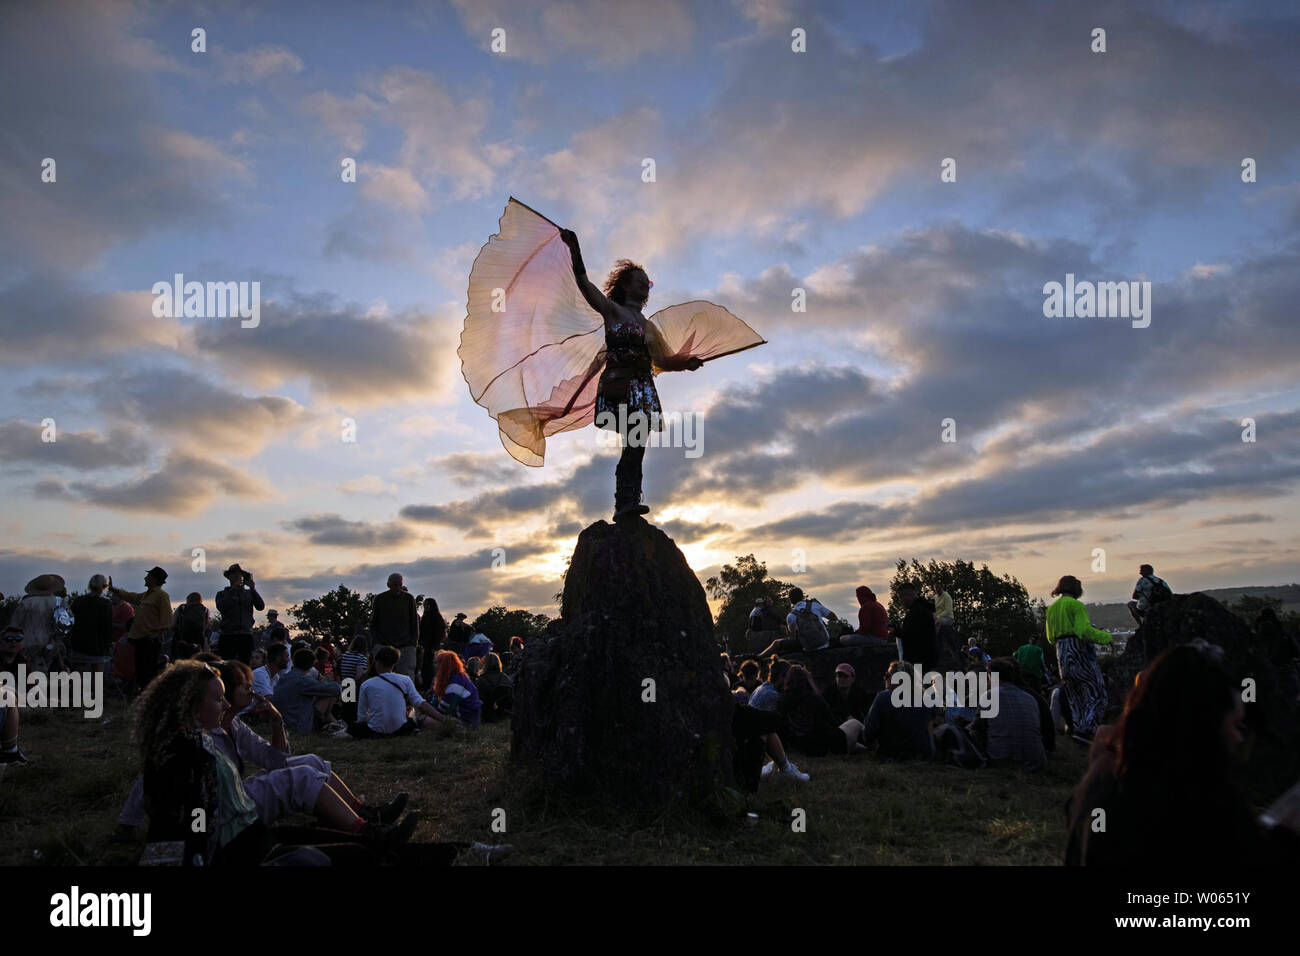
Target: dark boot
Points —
{"points": [[627, 484]]}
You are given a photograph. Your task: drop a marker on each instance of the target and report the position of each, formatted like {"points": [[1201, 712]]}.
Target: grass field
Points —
{"points": [[62, 807]]}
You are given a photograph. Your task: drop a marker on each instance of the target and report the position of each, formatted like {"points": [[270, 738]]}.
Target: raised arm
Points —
{"points": [[595, 298]]}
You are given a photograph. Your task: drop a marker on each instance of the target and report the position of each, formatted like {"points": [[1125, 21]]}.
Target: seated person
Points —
{"points": [[495, 691], [810, 727], [1017, 736], [286, 784], [11, 657], [1168, 776], [386, 700], [757, 733], [748, 676], [456, 693], [768, 693], [473, 668], [304, 700], [185, 769], [873, 622], [901, 733], [808, 630], [846, 697]]}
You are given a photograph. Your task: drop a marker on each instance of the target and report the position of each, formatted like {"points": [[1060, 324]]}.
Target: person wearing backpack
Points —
{"points": [[1150, 590], [807, 628], [190, 628]]}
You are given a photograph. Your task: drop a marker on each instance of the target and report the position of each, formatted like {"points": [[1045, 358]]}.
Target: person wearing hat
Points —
{"points": [[458, 634], [152, 621], [42, 596], [236, 604], [846, 697], [395, 623], [276, 630]]}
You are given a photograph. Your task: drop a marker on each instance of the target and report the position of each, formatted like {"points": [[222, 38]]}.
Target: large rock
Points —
{"points": [[1274, 761], [633, 611]]}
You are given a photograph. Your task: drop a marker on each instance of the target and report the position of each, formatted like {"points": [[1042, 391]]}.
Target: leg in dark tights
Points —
{"points": [[627, 476]]}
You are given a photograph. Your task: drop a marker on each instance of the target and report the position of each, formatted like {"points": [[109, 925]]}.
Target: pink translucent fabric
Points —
{"points": [[532, 349]]}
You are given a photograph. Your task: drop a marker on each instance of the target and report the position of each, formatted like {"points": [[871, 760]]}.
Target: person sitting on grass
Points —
{"points": [[757, 735], [845, 697], [769, 692], [748, 676], [900, 733], [305, 783], [456, 693], [186, 770], [811, 728], [1021, 733], [386, 701], [11, 642], [1167, 776], [304, 700], [473, 668], [495, 691]]}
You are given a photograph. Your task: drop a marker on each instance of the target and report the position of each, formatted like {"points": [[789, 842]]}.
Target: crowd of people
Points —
{"points": [[202, 697]]}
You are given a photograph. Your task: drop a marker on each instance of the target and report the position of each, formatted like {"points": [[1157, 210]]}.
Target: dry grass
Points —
{"points": [[62, 807]]}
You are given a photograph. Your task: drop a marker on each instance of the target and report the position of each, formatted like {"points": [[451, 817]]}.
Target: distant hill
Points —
{"points": [[1116, 616]]}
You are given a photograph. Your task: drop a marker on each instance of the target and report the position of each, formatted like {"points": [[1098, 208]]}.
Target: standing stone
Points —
{"points": [[633, 611]]}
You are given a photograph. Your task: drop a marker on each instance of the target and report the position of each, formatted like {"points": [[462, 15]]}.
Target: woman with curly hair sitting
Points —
{"points": [[186, 771]]}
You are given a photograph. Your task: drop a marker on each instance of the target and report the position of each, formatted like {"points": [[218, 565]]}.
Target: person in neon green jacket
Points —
{"points": [[1076, 640]]}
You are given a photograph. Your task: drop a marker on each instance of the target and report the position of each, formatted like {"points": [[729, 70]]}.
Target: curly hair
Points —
{"points": [[616, 283], [169, 706]]}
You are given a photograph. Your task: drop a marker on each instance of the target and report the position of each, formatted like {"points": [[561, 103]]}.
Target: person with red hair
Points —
{"points": [[457, 696]]}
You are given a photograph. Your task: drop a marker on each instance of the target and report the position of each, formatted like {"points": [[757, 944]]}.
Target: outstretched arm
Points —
{"points": [[595, 298]]}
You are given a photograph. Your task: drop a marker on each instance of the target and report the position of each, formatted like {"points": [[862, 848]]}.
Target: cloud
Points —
{"points": [[94, 116], [257, 63], [182, 486], [83, 450], [335, 530], [342, 353], [1252, 518], [604, 33], [368, 485], [195, 412]]}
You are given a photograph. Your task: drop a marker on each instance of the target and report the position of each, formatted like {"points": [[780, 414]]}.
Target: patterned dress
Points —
{"points": [[628, 378]]}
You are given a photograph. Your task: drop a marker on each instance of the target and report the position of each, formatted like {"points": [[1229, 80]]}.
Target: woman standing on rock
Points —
{"points": [[545, 351], [626, 399], [1076, 640]]}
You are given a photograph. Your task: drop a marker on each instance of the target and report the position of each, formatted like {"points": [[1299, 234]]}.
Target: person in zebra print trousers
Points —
{"points": [[1076, 640]]}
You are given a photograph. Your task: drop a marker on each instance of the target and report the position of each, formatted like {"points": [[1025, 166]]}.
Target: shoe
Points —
{"points": [[390, 812], [12, 756], [387, 837], [491, 853], [340, 735], [333, 727], [1082, 738], [792, 771], [630, 511]]}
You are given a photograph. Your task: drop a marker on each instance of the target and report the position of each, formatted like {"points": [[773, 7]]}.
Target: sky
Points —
{"points": [[193, 443]]}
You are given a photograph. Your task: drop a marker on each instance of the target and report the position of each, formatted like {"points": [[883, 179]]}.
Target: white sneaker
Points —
{"points": [[491, 853], [341, 735], [793, 771]]}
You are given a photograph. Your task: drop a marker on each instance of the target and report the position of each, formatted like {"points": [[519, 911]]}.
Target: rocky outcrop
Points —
{"points": [[623, 700], [1274, 762]]}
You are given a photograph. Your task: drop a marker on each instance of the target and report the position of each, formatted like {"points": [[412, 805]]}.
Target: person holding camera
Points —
{"points": [[236, 605]]}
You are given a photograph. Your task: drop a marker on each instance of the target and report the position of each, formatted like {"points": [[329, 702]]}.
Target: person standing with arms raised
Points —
{"points": [[152, 620]]}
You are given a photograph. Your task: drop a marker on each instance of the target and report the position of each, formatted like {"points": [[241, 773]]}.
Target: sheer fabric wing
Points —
{"points": [[534, 366], [697, 329]]}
